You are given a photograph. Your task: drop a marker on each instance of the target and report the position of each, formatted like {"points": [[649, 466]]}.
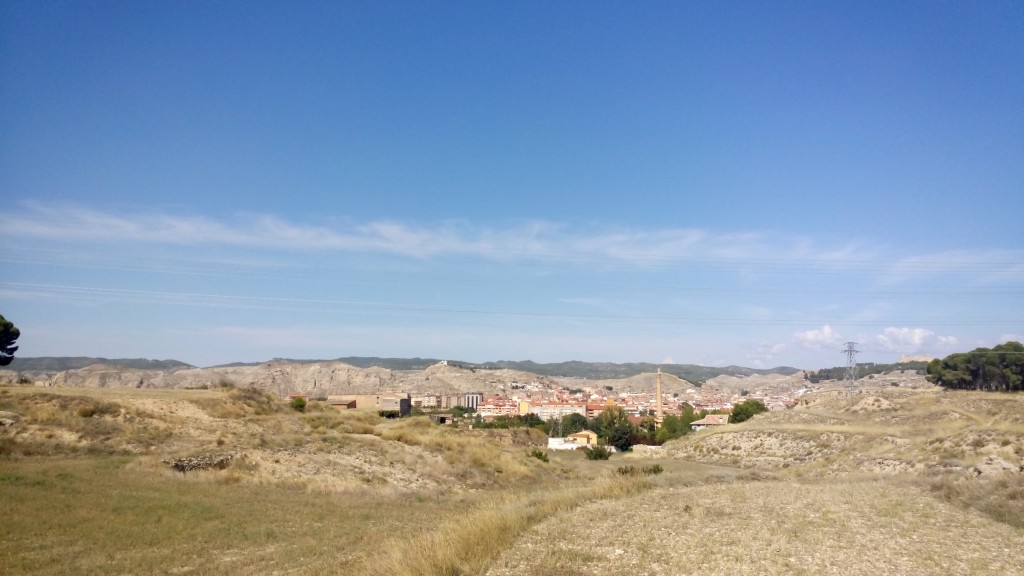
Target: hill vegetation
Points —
{"points": [[859, 482], [864, 370], [611, 371], [1000, 369], [357, 361], [61, 363], [687, 375], [236, 481], [571, 369]]}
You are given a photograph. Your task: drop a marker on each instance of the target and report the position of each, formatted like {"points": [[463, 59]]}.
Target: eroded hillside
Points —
{"points": [[874, 430], [264, 440], [234, 481]]}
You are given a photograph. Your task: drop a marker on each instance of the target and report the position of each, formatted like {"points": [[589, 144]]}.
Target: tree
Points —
{"points": [[573, 423], [8, 336], [998, 369], [529, 420], [675, 426], [596, 453], [614, 427], [745, 411]]}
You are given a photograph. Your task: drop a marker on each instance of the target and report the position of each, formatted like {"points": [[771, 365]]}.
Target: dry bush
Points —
{"points": [[54, 424], [1001, 498], [242, 402], [477, 459]]}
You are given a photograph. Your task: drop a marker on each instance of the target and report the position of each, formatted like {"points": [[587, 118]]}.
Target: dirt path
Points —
{"points": [[765, 528]]}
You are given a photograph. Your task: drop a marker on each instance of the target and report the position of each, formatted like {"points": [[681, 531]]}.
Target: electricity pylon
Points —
{"points": [[851, 363]]}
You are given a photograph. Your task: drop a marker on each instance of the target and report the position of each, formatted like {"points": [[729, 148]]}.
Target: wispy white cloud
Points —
{"points": [[765, 353], [824, 338], [902, 340], [749, 253], [911, 341], [535, 240]]}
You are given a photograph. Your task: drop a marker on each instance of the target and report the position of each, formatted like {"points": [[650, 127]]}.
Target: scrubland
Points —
{"points": [[885, 481]]}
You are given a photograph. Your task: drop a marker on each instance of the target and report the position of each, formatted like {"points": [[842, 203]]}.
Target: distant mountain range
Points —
{"points": [[609, 370], [62, 363], [572, 369]]}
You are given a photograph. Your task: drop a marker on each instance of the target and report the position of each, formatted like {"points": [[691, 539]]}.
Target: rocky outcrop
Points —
{"points": [[314, 379], [283, 378], [8, 418], [207, 462], [99, 376], [993, 466]]}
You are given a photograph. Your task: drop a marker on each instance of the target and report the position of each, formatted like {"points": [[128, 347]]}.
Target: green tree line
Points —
{"points": [[863, 370], [614, 428], [999, 369]]}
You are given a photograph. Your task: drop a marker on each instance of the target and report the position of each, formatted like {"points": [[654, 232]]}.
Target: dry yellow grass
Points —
{"points": [[881, 483], [769, 528], [884, 431], [467, 543], [105, 515], [312, 493]]}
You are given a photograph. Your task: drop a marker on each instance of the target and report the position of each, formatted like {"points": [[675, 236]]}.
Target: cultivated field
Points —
{"points": [[886, 481]]}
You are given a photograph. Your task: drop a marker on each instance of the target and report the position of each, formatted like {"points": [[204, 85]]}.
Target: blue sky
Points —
{"points": [[716, 183]]}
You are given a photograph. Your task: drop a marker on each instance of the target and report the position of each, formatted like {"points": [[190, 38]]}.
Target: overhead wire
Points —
{"points": [[187, 267], [363, 307]]}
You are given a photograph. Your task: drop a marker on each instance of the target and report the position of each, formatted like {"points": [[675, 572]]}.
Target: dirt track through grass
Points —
{"points": [[767, 528], [83, 491]]}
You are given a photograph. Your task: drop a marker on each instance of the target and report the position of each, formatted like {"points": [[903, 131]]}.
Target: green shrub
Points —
{"points": [[299, 403], [539, 454], [746, 410], [646, 470], [597, 453]]}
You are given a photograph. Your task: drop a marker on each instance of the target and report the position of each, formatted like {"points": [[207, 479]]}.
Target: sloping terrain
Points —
{"points": [[372, 375], [316, 379], [229, 480], [267, 441], [875, 430], [234, 481], [768, 528], [876, 481]]}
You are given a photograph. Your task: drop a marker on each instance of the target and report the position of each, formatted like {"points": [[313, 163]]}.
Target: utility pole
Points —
{"points": [[851, 363]]}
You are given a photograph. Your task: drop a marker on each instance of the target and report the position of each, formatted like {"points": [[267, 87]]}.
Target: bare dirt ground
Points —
{"points": [[883, 430], [269, 443], [876, 481], [889, 480], [765, 528]]}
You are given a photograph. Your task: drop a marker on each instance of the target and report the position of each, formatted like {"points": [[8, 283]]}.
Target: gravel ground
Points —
{"points": [[765, 528]]}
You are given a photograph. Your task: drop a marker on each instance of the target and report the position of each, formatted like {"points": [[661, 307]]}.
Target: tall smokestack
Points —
{"points": [[658, 395]]}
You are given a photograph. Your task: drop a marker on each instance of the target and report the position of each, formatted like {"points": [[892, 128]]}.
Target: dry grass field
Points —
{"points": [[759, 527], [887, 481]]}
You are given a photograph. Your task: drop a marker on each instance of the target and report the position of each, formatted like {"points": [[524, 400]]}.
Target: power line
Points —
{"points": [[366, 307], [257, 271], [905, 267]]}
